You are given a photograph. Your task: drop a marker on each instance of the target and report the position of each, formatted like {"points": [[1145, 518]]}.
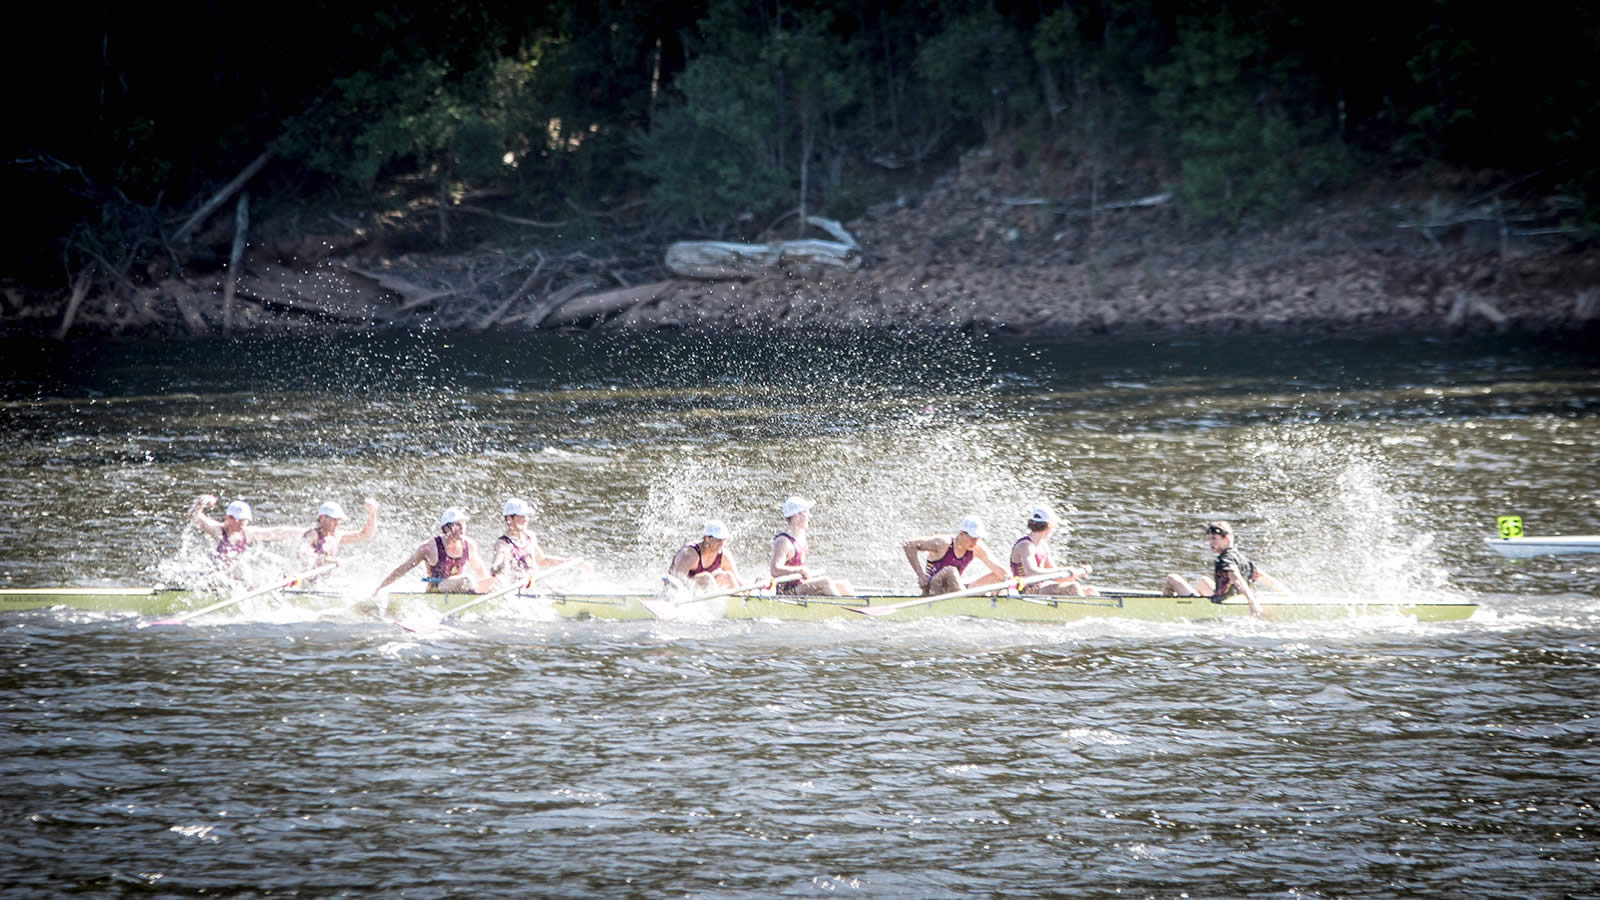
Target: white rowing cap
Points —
{"points": [[973, 526], [715, 529], [795, 506], [517, 507], [451, 516], [331, 509], [239, 510]]}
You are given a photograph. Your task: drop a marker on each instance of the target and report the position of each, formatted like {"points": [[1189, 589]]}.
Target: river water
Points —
{"points": [[282, 750]]}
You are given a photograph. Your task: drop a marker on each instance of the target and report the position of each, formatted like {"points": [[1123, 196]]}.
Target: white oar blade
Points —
{"points": [[662, 608]]}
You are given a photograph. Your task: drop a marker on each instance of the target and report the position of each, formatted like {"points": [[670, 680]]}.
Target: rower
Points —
{"points": [[705, 564], [791, 547], [948, 558], [321, 542], [234, 533], [1234, 573], [1030, 556], [455, 565], [517, 550]]}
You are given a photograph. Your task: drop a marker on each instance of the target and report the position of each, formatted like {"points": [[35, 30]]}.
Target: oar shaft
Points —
{"points": [[1017, 583], [260, 592], [528, 582], [752, 586]]}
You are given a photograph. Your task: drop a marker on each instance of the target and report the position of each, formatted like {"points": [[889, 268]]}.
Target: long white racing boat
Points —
{"points": [[766, 605], [1558, 545]]}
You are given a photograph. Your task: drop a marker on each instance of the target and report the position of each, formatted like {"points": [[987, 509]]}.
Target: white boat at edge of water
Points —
{"points": [[1559, 545]]}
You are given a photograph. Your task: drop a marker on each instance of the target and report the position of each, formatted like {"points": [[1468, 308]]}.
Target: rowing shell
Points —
{"points": [[1522, 547], [620, 607]]}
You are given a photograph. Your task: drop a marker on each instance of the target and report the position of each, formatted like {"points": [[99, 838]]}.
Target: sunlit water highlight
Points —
{"points": [[279, 749]]}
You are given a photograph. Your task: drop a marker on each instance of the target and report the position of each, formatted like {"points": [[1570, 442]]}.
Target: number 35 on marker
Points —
{"points": [[1510, 526]]}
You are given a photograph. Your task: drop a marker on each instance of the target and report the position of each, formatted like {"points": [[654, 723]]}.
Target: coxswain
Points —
{"points": [[1232, 574]]}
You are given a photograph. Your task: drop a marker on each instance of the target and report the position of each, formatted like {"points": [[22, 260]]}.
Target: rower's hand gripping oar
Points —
{"points": [[662, 608], [1008, 584], [494, 595], [289, 582]]}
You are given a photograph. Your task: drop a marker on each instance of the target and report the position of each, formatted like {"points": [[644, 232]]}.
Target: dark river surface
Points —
{"points": [[278, 750]]}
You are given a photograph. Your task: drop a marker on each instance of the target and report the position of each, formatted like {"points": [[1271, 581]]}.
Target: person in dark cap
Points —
{"points": [[1234, 573]]}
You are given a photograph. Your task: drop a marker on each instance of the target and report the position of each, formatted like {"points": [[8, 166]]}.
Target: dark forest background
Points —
{"points": [[720, 118]]}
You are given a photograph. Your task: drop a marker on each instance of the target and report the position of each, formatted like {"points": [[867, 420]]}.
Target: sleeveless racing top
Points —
{"points": [[519, 561], [228, 551], [1041, 556], [796, 558], [447, 565], [697, 568], [950, 559]]}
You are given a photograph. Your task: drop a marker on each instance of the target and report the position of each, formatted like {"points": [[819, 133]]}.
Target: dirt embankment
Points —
{"points": [[982, 248]]}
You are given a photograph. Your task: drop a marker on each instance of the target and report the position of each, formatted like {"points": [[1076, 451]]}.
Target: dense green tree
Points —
{"points": [[734, 114]]}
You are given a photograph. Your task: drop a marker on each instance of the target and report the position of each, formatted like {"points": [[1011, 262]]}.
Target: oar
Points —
{"points": [[662, 608], [1018, 583], [485, 598], [289, 582]]}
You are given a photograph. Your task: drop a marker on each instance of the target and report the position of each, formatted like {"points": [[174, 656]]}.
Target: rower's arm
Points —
{"points": [[368, 529], [410, 563], [541, 560], [779, 566], [680, 563], [983, 555], [728, 566], [1250, 598], [914, 549], [475, 560], [198, 517]]}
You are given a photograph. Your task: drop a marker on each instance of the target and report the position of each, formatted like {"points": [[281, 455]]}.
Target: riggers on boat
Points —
{"points": [[1012, 607]]}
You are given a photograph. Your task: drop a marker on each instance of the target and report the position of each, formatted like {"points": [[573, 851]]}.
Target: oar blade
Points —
{"points": [[661, 608]]}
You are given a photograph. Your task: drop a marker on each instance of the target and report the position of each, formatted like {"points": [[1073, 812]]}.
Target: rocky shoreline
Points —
{"points": [[978, 250]]}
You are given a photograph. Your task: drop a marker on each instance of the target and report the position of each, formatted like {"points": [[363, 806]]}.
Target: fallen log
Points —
{"points": [[717, 260], [79, 291], [221, 197], [413, 295], [590, 305], [527, 284], [241, 222], [271, 284], [184, 298], [536, 316]]}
